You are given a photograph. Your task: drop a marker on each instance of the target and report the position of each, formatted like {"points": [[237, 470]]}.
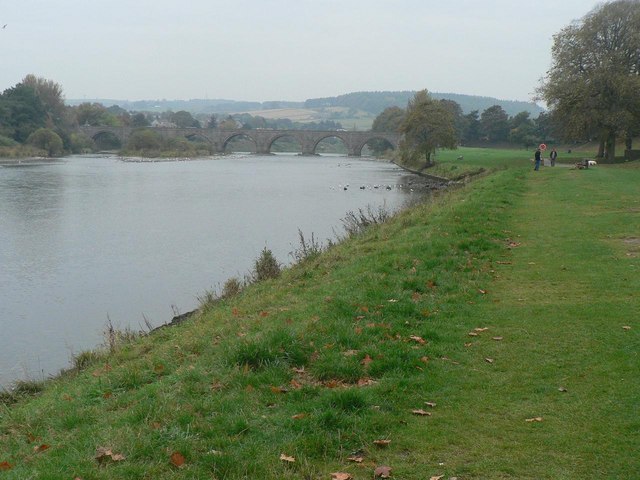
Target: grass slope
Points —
{"points": [[336, 355]]}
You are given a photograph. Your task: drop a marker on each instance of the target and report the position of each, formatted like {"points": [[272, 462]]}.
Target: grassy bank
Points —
{"points": [[483, 335]]}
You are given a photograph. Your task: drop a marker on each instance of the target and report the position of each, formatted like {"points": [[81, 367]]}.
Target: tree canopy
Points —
{"points": [[593, 87], [428, 124]]}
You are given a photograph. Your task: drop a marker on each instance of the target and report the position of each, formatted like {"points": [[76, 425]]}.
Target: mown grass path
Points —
{"points": [[491, 334]]}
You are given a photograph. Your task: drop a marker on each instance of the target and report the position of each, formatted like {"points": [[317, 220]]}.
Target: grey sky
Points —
{"points": [[281, 49]]}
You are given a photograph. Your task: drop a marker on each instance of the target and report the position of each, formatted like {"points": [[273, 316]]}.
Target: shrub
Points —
{"points": [[47, 140], [266, 266]]}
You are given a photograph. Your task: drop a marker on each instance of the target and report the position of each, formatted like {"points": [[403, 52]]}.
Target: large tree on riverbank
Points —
{"points": [[593, 87], [428, 124]]}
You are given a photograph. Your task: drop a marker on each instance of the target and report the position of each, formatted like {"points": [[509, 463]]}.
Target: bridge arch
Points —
{"points": [[106, 140], [377, 142], [237, 135], [318, 139], [269, 144]]}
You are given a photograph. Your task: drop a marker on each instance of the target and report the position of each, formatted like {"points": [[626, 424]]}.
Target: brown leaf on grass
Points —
{"points": [[503, 263], [365, 382], [41, 448], [534, 419], [275, 389], [482, 291], [418, 339], [107, 395], [488, 360], [480, 329], [436, 477], [287, 458], [332, 383], [299, 369], [382, 443], [472, 334], [382, 472], [159, 368], [415, 296], [340, 476], [626, 327], [431, 284], [356, 459], [366, 361], [264, 313], [421, 412], [295, 384], [177, 459], [497, 339], [424, 359], [430, 404], [104, 454], [562, 389], [298, 416], [5, 466], [468, 344]]}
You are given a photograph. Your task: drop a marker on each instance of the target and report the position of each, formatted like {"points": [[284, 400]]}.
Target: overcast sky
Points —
{"points": [[281, 49]]}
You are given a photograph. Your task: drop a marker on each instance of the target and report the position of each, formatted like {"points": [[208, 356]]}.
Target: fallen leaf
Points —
{"points": [[430, 404], [104, 454], [278, 389], [355, 459], [382, 472], [626, 327], [436, 477], [295, 384], [415, 296], [534, 419], [483, 292], [287, 458], [382, 443], [473, 334], [366, 361], [468, 344], [177, 459], [562, 389], [264, 313], [497, 339], [159, 368], [392, 300], [340, 476], [107, 395], [41, 448], [503, 263], [421, 412], [365, 382], [480, 329], [418, 339], [235, 312], [424, 359], [5, 466], [488, 360], [298, 416]]}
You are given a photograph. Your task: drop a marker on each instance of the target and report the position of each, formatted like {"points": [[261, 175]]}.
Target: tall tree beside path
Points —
{"points": [[593, 87]]}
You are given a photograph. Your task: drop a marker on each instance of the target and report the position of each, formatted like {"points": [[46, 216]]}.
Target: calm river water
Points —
{"points": [[91, 238]]}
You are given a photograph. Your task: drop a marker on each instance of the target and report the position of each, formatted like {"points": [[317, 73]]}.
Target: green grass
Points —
{"points": [[338, 351]]}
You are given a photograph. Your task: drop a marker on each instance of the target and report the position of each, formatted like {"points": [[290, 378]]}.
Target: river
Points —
{"points": [[92, 238]]}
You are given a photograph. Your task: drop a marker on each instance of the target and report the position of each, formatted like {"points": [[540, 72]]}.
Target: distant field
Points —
{"points": [[349, 120]]}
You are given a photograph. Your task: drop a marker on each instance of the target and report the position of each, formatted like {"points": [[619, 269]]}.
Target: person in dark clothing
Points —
{"points": [[553, 155], [537, 159]]}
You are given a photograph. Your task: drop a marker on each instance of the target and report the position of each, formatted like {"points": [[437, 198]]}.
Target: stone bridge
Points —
{"points": [[262, 139]]}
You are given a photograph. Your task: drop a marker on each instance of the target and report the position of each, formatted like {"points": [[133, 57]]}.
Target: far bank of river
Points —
{"points": [[87, 239]]}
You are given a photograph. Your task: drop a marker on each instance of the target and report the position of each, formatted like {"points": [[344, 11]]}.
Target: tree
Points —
{"points": [[21, 112], [522, 130], [212, 122], [471, 132], [494, 124], [459, 120], [94, 114], [51, 96], [592, 87], [47, 140], [139, 120], [427, 125], [184, 119], [389, 120]]}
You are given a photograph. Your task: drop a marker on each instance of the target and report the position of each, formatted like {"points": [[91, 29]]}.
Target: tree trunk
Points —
{"points": [[628, 141], [610, 151], [600, 148]]}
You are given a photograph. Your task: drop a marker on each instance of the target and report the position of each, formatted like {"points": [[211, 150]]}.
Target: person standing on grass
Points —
{"points": [[553, 155], [537, 159]]}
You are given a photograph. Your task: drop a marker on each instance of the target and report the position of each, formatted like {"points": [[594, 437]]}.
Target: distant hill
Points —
{"points": [[376, 102], [370, 103]]}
